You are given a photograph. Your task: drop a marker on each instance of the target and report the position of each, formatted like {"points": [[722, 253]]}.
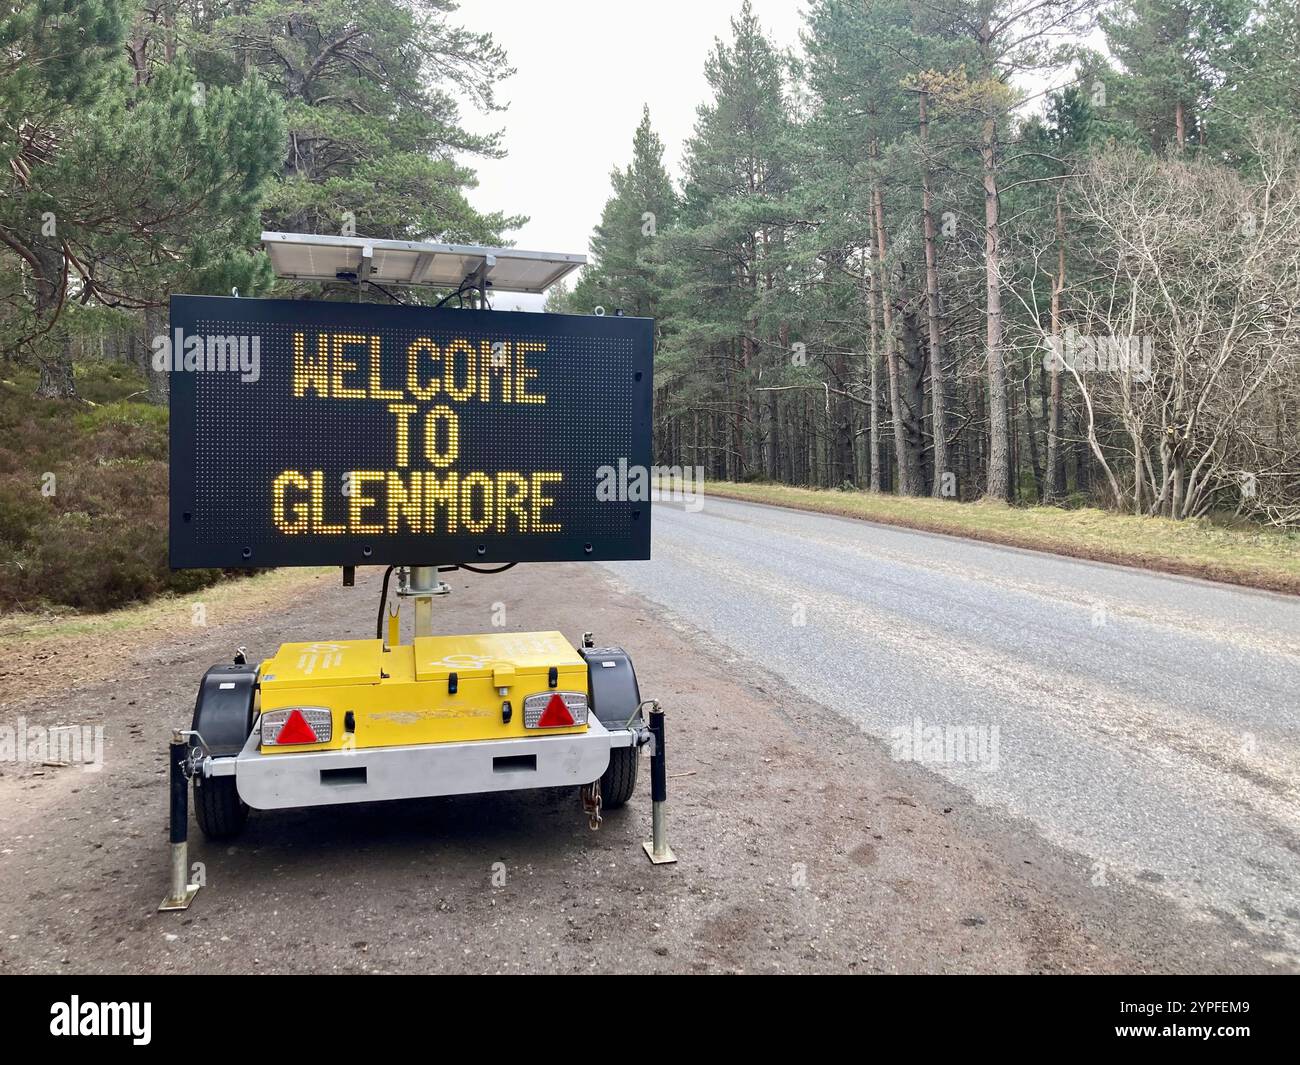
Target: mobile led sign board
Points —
{"points": [[320, 433]]}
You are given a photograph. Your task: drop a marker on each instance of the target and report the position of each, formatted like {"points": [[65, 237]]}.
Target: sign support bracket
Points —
{"points": [[363, 271], [421, 583], [478, 279]]}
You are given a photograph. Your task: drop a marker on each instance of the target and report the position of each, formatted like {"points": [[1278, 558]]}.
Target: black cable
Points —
{"points": [[390, 295], [388, 573], [383, 602], [478, 569], [459, 294]]}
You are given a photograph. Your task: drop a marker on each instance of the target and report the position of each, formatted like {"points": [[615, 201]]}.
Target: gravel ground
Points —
{"points": [[802, 845]]}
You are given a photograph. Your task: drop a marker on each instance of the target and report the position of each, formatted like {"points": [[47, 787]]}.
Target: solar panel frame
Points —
{"points": [[320, 257]]}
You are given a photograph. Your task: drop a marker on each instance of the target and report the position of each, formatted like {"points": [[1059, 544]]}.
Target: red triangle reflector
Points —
{"points": [[296, 730], [556, 714]]}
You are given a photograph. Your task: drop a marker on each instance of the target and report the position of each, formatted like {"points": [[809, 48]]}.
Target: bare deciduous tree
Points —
{"points": [[1190, 326]]}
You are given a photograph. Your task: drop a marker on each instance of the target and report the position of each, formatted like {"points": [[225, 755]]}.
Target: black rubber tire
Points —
{"points": [[619, 780], [219, 810]]}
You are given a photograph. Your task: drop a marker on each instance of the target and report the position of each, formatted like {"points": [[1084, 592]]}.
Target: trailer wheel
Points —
{"points": [[619, 780], [219, 810]]}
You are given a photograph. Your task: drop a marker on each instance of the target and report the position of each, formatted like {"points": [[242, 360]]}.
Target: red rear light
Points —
{"points": [[297, 725], [555, 709], [295, 730], [556, 714]]}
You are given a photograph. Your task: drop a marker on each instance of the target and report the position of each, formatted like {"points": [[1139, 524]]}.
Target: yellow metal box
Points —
{"points": [[404, 695]]}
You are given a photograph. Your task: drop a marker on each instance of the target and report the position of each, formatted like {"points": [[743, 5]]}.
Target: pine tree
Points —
{"points": [[56, 63], [373, 92], [1261, 87], [182, 169], [1047, 244], [854, 77], [722, 255], [1174, 55], [643, 203], [1006, 38]]}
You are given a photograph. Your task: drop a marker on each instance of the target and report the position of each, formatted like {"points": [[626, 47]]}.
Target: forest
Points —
{"points": [[1015, 250], [148, 144]]}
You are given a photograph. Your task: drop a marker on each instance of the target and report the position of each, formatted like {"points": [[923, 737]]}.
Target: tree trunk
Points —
{"points": [[938, 401], [978, 448], [842, 429], [873, 427], [999, 468], [1082, 457], [739, 397], [53, 348], [906, 486], [773, 436], [58, 379], [1055, 471], [155, 325], [911, 395], [1031, 439]]}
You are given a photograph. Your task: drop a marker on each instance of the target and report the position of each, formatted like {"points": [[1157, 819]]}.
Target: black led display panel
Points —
{"points": [[319, 433]]}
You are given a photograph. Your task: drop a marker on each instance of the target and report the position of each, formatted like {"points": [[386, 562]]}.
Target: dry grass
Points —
{"points": [[162, 613], [1252, 557], [48, 651]]}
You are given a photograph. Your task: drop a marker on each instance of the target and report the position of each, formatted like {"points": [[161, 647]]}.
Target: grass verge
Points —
{"points": [[241, 596], [47, 651], [1252, 557]]}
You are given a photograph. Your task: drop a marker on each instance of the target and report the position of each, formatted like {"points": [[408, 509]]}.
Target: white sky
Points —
{"points": [[584, 70]]}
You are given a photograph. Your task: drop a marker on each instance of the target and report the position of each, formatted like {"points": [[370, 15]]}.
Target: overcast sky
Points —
{"points": [[584, 70]]}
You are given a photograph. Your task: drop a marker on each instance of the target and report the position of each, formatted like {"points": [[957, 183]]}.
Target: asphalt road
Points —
{"points": [[1149, 724]]}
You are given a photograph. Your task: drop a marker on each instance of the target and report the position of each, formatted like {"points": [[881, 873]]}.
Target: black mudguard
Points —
{"points": [[614, 692], [223, 712]]}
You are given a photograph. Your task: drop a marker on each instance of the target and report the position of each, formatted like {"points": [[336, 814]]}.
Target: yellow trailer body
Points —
{"points": [[439, 689]]}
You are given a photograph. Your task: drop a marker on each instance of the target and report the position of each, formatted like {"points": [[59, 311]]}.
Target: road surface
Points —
{"points": [[1150, 724]]}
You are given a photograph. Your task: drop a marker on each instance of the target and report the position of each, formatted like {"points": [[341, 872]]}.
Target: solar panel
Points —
{"points": [[311, 257]]}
